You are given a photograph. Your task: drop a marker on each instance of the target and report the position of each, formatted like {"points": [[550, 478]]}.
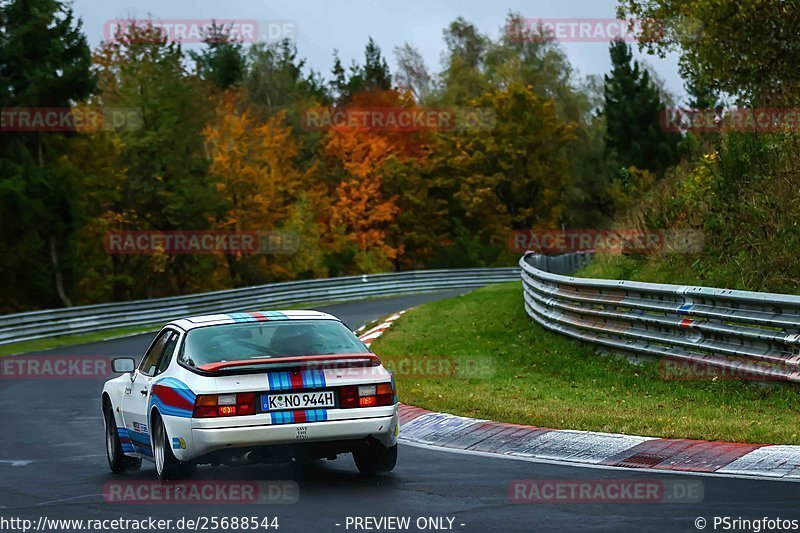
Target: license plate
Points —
{"points": [[297, 400]]}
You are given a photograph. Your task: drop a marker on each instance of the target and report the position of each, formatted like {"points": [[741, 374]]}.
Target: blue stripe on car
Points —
{"points": [[282, 417], [169, 410], [242, 317]]}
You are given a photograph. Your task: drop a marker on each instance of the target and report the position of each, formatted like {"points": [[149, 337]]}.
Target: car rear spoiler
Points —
{"points": [[303, 361]]}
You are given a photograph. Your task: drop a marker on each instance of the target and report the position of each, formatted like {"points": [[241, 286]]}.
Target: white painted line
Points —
{"points": [[578, 446], [16, 462], [80, 457], [70, 499], [773, 461], [567, 445], [633, 471], [125, 336], [430, 428]]}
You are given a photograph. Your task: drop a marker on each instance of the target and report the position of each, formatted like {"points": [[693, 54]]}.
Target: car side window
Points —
{"points": [[150, 361], [169, 349]]}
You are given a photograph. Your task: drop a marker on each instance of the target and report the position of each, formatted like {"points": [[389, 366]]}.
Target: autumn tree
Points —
{"points": [[253, 163], [513, 168], [363, 210]]}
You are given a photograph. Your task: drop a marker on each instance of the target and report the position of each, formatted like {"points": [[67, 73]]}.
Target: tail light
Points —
{"points": [[213, 405], [377, 395]]}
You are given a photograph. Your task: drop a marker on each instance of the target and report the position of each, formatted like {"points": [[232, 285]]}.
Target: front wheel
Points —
{"points": [[167, 465], [375, 459], [118, 462]]}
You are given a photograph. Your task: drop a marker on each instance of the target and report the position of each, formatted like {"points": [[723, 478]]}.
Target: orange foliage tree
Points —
{"points": [[254, 163]]}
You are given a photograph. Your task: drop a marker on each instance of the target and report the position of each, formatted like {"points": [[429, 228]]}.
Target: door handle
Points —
{"points": [[143, 392]]}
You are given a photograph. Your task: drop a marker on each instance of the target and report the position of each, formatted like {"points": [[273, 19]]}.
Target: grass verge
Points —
{"points": [[512, 370], [76, 338]]}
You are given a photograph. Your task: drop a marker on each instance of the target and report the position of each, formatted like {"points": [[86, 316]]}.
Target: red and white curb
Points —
{"points": [[587, 448], [369, 336]]}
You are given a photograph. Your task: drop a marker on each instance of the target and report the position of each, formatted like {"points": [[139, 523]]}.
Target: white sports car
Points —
{"points": [[246, 388]]}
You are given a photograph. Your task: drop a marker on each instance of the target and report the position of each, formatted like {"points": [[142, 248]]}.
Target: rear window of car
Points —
{"points": [[243, 341]]}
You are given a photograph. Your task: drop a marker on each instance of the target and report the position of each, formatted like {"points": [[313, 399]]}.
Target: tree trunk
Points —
{"points": [[57, 274]]}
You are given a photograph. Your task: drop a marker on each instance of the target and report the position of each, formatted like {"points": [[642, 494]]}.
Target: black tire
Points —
{"points": [[375, 459], [167, 465], [118, 462]]}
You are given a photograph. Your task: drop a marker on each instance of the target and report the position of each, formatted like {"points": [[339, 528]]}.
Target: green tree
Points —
{"points": [[747, 48], [373, 75], [44, 62], [532, 57], [222, 60], [276, 79], [513, 172], [463, 75], [163, 181], [633, 109]]}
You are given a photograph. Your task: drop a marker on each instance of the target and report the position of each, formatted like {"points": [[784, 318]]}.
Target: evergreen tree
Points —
{"points": [[632, 110], [222, 60], [44, 62], [276, 80], [374, 75], [376, 71]]}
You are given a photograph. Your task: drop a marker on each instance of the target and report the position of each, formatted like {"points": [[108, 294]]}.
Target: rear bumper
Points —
{"points": [[205, 441]]}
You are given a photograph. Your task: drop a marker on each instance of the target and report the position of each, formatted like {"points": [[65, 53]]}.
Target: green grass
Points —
{"points": [[680, 269], [76, 338], [512, 370]]}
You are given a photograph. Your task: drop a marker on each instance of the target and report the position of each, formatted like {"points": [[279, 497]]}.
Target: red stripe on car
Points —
{"points": [[171, 398], [297, 380]]}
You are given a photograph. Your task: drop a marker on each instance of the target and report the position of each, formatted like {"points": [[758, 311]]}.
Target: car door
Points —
{"points": [[137, 395]]}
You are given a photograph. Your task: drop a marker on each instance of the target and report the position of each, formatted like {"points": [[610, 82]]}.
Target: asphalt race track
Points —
{"points": [[53, 464]]}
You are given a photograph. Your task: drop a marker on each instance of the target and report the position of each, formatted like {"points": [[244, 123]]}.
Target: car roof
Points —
{"points": [[250, 316]]}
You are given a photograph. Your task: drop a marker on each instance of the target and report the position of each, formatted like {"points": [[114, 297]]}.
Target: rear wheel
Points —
{"points": [[167, 465], [375, 459], [118, 462]]}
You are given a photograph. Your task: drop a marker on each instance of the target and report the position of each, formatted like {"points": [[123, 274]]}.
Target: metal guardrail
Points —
{"points": [[740, 333], [52, 323]]}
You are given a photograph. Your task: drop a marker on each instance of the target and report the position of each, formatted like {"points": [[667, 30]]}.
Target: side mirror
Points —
{"points": [[123, 365]]}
